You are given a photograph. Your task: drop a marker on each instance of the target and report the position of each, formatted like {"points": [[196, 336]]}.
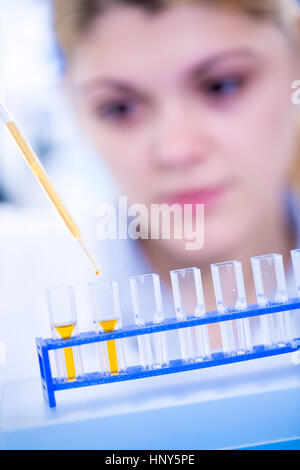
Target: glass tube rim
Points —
{"points": [[145, 276], [226, 263], [68, 287], [179, 271], [100, 282], [270, 255]]}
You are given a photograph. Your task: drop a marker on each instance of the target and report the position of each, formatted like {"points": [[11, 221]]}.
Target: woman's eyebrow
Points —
{"points": [[206, 66], [198, 68], [106, 83]]}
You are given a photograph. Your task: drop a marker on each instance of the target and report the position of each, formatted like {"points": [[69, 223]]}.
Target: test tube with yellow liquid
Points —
{"points": [[63, 319], [106, 313]]}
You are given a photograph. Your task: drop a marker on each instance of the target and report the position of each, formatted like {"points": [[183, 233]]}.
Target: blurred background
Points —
{"points": [[31, 68], [30, 83]]}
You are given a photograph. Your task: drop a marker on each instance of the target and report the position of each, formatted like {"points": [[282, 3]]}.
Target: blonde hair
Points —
{"points": [[73, 17]]}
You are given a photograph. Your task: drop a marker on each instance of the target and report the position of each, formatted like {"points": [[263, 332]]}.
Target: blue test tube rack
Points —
{"points": [[50, 385]]}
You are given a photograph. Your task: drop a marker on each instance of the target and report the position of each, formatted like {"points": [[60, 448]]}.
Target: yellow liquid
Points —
{"points": [[65, 331], [109, 326]]}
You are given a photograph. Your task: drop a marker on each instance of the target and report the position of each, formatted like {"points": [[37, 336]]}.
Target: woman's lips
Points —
{"points": [[208, 197]]}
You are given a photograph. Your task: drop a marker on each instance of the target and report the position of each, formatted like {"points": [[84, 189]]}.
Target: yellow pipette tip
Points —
{"points": [[97, 270]]}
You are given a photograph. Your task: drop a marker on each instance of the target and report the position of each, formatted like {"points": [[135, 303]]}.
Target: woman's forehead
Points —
{"points": [[123, 25], [127, 40]]}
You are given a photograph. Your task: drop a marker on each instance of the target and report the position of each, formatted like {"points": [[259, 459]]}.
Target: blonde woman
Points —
{"points": [[191, 102], [188, 101]]}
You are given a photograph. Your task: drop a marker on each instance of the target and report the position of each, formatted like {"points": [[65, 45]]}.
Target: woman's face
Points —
{"points": [[191, 105]]}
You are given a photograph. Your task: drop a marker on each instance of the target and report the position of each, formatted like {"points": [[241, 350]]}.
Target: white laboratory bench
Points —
{"points": [[255, 404]]}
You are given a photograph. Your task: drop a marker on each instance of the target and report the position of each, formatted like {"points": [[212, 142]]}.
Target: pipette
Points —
{"points": [[44, 180]]}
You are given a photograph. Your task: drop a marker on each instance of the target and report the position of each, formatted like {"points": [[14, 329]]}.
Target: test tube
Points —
{"points": [[189, 301], [63, 319], [230, 294], [270, 286], [106, 311], [147, 308], [295, 254]]}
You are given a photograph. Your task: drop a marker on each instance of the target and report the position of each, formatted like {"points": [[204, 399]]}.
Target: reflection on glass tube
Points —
{"points": [[106, 313], [147, 308], [63, 320], [270, 286], [189, 301], [230, 294]]}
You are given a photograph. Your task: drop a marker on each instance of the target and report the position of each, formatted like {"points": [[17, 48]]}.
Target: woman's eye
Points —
{"points": [[118, 111], [222, 88]]}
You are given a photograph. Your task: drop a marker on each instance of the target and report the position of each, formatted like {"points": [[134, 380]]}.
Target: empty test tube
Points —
{"points": [[189, 301], [230, 294], [63, 319], [295, 254], [106, 311], [147, 307], [270, 286]]}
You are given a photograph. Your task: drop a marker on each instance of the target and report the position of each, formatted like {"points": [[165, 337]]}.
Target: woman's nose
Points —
{"points": [[180, 143]]}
